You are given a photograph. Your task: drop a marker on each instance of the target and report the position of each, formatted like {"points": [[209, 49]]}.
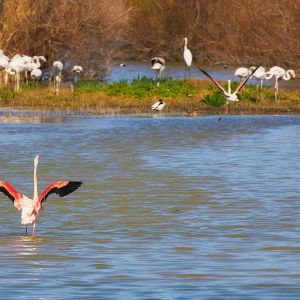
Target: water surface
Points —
{"points": [[171, 208]]}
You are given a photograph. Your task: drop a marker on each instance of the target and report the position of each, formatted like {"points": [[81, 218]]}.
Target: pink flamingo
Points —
{"points": [[31, 207]]}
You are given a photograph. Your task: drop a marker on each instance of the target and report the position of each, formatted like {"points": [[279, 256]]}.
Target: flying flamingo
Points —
{"points": [[30, 208], [188, 57], [158, 64], [279, 73], [229, 96]]}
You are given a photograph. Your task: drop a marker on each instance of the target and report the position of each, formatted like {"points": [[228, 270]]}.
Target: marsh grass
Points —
{"points": [[137, 96]]}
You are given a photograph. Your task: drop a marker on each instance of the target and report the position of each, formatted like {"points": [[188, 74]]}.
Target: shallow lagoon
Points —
{"points": [[171, 208]]}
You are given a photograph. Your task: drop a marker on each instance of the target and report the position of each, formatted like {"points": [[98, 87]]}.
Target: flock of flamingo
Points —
{"points": [[30, 66]]}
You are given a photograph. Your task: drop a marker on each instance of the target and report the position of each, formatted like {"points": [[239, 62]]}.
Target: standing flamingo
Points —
{"points": [[158, 64], [229, 96], [57, 70], [260, 75], [279, 73], [188, 57], [243, 72], [31, 207]]}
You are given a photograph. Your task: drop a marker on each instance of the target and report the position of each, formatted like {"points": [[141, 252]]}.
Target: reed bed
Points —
{"points": [[184, 97]]}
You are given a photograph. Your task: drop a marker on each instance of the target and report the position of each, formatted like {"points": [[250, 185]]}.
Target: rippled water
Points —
{"points": [[171, 208]]}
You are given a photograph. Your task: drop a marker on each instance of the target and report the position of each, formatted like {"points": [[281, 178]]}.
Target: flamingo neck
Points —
{"points": [[288, 75], [35, 187]]}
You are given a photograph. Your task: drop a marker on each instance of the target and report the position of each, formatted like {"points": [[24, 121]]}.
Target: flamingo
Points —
{"points": [[229, 96], [15, 67], [30, 208], [4, 61], [158, 64], [76, 70], [57, 69], [188, 57], [36, 74], [243, 72], [260, 74], [158, 106], [279, 73]]}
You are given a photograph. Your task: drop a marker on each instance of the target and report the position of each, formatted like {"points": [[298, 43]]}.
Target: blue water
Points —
{"points": [[170, 208]]}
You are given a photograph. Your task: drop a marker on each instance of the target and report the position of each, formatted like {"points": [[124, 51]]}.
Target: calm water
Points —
{"points": [[176, 71], [171, 208]]}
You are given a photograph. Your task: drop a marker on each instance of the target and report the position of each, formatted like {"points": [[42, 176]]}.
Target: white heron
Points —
{"points": [[279, 73], [158, 106], [229, 96], [188, 57], [158, 65]]}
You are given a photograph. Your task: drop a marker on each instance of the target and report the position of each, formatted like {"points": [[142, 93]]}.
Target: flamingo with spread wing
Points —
{"points": [[229, 96], [30, 208]]}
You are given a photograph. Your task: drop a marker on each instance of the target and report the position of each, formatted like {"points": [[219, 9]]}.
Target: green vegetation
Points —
{"points": [[189, 97]]}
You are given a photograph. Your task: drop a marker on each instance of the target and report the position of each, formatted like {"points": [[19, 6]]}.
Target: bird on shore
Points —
{"points": [[30, 208], [57, 74], [243, 72], [188, 57], [158, 65], [260, 75], [158, 106], [229, 96], [279, 73]]}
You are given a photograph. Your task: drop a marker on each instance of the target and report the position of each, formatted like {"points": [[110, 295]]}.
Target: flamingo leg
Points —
{"points": [[33, 229], [26, 230], [276, 88]]}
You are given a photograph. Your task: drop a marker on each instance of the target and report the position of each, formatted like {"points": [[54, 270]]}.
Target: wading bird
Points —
{"points": [[243, 72], [30, 208], [158, 106], [188, 57], [57, 74], [260, 75], [279, 73], [158, 65], [229, 96]]}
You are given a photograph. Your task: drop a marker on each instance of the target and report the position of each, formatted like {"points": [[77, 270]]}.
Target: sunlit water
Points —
{"points": [[171, 208], [177, 71]]}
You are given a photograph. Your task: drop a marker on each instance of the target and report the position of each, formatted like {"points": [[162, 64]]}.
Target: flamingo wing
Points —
{"points": [[10, 192], [214, 81], [61, 188], [240, 86]]}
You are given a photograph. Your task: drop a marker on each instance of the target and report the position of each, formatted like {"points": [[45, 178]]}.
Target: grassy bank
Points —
{"points": [[188, 97]]}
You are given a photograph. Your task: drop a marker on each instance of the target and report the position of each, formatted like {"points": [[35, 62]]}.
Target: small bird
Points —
{"points": [[229, 96], [30, 208], [122, 65], [158, 106], [158, 65], [188, 57]]}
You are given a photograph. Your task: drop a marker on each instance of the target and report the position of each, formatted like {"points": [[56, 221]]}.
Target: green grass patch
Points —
{"points": [[146, 87], [89, 86]]}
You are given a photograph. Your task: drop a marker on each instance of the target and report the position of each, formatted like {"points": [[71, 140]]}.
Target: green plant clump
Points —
{"points": [[147, 87], [216, 99]]}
